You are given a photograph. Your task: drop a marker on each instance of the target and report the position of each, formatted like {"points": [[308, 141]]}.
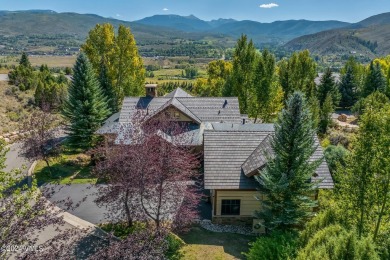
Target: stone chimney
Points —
{"points": [[151, 90]]}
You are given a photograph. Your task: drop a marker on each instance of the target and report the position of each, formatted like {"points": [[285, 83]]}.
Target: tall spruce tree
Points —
{"points": [[348, 89], [285, 183], [375, 80], [86, 107]]}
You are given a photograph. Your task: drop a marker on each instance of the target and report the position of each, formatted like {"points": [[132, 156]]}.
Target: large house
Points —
{"points": [[234, 149]]}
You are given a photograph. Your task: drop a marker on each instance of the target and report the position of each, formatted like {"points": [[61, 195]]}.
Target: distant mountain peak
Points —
{"points": [[191, 16]]}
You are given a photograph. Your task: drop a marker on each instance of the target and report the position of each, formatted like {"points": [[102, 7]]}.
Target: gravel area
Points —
{"points": [[206, 224]]}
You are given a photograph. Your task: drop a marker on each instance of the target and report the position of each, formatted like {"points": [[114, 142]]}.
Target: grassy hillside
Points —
{"points": [[14, 106], [369, 38]]}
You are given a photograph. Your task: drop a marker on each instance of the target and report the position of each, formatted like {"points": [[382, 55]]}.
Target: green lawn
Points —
{"points": [[71, 167], [204, 244]]}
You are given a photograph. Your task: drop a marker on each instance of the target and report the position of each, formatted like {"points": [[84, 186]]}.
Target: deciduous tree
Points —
{"points": [[240, 83], [40, 142], [298, 74], [120, 57], [268, 92], [365, 181], [152, 174]]}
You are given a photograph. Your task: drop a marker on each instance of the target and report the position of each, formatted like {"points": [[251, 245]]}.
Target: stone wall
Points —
{"points": [[233, 220]]}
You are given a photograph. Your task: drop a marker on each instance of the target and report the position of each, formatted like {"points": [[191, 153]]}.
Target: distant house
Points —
{"points": [[233, 148]]}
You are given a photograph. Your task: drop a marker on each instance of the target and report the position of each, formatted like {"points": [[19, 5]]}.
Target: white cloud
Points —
{"points": [[118, 15], [165, 9], [271, 5]]}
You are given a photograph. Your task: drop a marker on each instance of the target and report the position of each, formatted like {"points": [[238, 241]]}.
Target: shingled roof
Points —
{"points": [[219, 109], [232, 156]]}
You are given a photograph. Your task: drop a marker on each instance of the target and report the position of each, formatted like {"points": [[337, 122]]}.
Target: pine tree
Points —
{"points": [[285, 182], [348, 89], [375, 80], [86, 107]]}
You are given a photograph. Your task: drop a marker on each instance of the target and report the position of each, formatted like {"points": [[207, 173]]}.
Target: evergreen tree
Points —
{"points": [[86, 107], [24, 61], [328, 98], [285, 183], [23, 75], [108, 89], [358, 72], [375, 80], [326, 111], [327, 87], [348, 89]]}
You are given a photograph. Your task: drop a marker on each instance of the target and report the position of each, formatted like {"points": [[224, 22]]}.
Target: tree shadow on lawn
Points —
{"points": [[233, 244], [64, 173]]}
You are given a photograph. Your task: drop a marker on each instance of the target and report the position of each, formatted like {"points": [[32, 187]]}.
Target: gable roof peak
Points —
{"points": [[178, 92]]}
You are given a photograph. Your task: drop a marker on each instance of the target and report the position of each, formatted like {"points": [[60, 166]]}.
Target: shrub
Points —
{"points": [[276, 246], [335, 155], [325, 143], [321, 221], [175, 243], [335, 242], [339, 138], [13, 116]]}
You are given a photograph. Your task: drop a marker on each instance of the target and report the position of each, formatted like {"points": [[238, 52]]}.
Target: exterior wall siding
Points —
{"points": [[248, 205]]}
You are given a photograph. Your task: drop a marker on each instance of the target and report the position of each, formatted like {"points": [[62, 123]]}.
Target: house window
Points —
{"points": [[230, 207], [176, 115]]}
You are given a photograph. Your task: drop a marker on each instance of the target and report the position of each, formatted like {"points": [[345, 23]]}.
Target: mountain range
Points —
{"points": [[46, 31], [370, 38], [278, 31]]}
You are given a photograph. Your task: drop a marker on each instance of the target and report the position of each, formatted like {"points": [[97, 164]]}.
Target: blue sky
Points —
{"points": [[270, 10]]}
